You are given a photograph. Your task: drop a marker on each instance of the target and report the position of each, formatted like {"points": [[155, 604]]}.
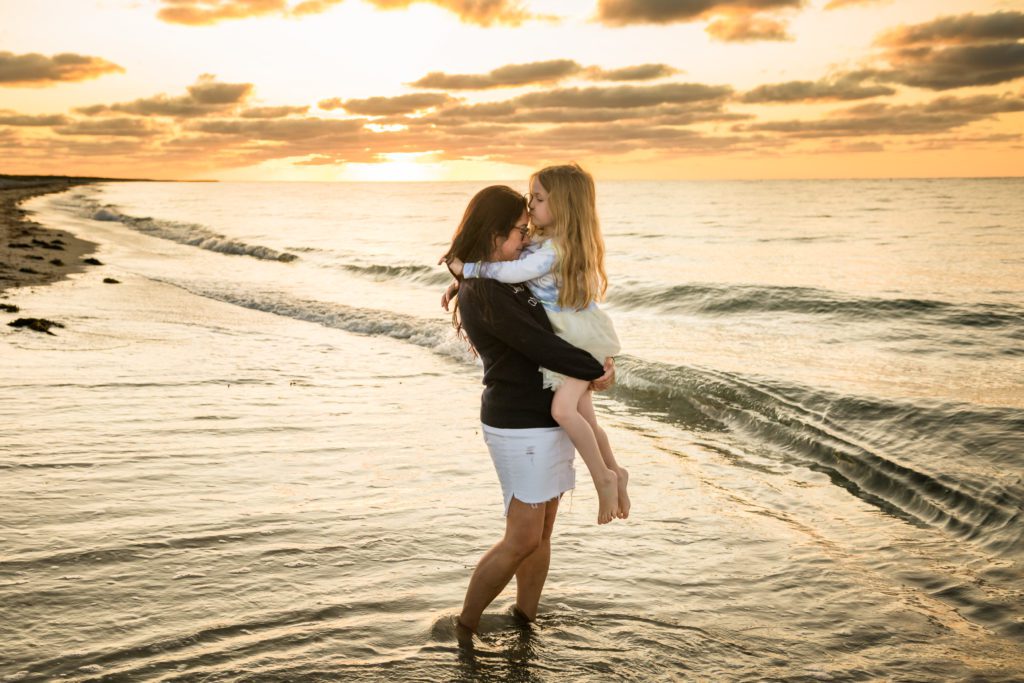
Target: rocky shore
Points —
{"points": [[31, 254]]}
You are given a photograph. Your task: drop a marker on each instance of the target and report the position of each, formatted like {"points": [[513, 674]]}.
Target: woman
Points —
{"points": [[532, 455]]}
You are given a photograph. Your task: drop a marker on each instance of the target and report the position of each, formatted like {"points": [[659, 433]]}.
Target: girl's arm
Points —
{"points": [[530, 266]]}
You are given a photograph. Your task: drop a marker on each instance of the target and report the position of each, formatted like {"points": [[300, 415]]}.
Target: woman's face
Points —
{"points": [[540, 214], [517, 238]]}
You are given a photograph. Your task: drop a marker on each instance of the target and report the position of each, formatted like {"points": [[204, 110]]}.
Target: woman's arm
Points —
{"points": [[512, 323]]}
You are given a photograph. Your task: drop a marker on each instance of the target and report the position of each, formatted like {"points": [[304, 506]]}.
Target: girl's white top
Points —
{"points": [[536, 266]]}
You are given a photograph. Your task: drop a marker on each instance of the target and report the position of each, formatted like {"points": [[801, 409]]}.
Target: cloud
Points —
{"points": [[481, 12], [965, 28], [732, 20], [939, 115], [129, 127], [272, 112], [509, 112], [35, 69], [742, 29], [208, 91], [10, 118], [955, 52], [844, 87], [506, 76], [534, 73], [624, 96], [279, 129], [622, 12], [201, 12], [837, 4], [640, 72], [205, 12], [956, 67], [205, 97], [384, 106]]}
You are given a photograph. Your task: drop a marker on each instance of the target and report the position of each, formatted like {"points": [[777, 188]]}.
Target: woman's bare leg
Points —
{"points": [[524, 527], [565, 410], [533, 571], [586, 408]]}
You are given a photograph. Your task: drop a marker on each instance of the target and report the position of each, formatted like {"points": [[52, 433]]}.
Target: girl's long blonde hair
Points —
{"points": [[572, 199]]}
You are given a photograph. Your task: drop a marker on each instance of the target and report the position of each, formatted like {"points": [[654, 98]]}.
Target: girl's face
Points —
{"points": [[540, 213], [512, 246]]}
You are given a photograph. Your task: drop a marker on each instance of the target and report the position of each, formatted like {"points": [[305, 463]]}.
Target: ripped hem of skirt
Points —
{"points": [[508, 500]]}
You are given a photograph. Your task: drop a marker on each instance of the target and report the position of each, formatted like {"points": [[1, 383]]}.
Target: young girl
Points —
{"points": [[564, 269]]}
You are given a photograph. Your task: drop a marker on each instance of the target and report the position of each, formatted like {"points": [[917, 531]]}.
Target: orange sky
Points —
{"points": [[490, 89]]}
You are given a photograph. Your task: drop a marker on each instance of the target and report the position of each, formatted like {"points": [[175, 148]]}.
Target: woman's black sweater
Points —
{"points": [[512, 333]]}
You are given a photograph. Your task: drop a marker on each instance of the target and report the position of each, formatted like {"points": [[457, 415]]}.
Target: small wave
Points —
{"points": [[736, 299], [912, 461], [192, 234], [417, 273], [436, 335]]}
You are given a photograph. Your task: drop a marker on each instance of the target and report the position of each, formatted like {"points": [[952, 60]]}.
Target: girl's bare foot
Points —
{"points": [[607, 497], [623, 511]]}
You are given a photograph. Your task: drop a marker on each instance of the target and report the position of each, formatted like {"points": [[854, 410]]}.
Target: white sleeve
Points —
{"points": [[530, 266]]}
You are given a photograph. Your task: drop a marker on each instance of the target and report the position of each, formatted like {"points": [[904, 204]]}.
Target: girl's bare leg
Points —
{"points": [[524, 528], [533, 571], [565, 410], [586, 408]]}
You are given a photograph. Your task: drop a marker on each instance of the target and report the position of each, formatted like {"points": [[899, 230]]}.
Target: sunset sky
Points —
{"points": [[490, 89]]}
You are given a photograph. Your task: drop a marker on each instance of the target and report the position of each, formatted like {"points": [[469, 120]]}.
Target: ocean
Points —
{"points": [[258, 456]]}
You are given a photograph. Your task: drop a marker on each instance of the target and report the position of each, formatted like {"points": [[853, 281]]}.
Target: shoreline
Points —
{"points": [[32, 254]]}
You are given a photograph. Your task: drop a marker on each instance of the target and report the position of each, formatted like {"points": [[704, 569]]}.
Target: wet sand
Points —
{"points": [[31, 254]]}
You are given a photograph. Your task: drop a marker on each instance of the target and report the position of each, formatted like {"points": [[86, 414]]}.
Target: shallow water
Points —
{"points": [[235, 468]]}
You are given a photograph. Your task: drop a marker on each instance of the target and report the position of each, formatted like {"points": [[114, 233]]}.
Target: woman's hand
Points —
{"points": [[606, 380], [449, 293]]}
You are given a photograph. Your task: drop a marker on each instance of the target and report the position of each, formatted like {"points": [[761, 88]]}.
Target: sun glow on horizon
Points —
{"points": [[374, 91]]}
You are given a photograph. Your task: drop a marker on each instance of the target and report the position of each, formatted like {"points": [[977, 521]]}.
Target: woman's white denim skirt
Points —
{"points": [[533, 465]]}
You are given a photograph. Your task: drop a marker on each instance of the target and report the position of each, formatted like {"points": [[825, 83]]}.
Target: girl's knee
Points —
{"points": [[561, 413]]}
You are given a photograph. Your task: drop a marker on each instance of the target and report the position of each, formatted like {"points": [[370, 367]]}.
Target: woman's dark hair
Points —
{"points": [[487, 222]]}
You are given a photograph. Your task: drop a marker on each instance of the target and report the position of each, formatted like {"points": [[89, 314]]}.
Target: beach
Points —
{"points": [[31, 254], [257, 456]]}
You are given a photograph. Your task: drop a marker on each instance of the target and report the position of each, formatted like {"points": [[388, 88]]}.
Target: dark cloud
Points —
{"points": [[205, 97], [204, 12], [10, 118], [385, 106], [732, 20], [503, 77], [624, 96], [640, 72], [956, 67], [208, 91], [533, 73], [955, 52], [35, 69], [848, 86], [965, 28], [129, 127], [272, 112], [622, 12], [937, 116]]}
